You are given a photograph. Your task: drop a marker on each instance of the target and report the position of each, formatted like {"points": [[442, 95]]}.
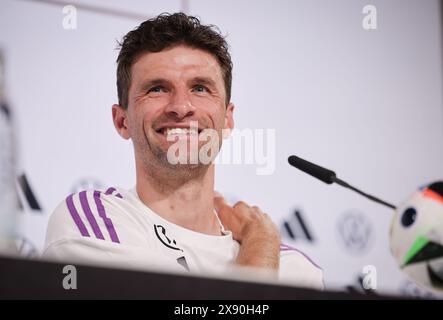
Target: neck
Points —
{"points": [[188, 203]]}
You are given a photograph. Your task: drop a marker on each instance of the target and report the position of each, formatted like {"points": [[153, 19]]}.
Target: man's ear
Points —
{"points": [[229, 120], [120, 118]]}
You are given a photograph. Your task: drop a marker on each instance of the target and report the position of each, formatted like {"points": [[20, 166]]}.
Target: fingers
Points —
{"points": [[257, 210], [241, 206]]}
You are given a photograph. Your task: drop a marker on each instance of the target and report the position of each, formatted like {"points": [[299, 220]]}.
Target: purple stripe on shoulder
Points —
{"points": [[285, 247], [109, 191], [108, 222], [76, 217], [90, 216]]}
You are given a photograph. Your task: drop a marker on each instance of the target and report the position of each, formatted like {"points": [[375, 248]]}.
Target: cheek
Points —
{"points": [[146, 122], [219, 117], [214, 120], [145, 114], [137, 123], [212, 110]]}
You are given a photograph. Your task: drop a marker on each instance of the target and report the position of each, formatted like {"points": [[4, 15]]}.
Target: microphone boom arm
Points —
{"points": [[329, 176], [364, 194]]}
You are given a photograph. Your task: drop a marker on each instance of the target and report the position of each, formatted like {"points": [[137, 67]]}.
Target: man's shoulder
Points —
{"points": [[103, 227], [297, 254], [298, 268], [90, 214]]}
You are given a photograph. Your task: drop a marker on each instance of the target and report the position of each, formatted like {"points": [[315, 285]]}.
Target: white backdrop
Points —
{"points": [[366, 103]]}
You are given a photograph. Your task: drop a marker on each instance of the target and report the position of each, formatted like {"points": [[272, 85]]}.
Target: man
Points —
{"points": [[174, 83]]}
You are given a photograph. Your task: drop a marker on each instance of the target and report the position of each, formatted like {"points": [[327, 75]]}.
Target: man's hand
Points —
{"points": [[258, 236]]}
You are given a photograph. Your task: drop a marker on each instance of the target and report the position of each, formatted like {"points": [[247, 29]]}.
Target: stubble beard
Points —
{"points": [[163, 174]]}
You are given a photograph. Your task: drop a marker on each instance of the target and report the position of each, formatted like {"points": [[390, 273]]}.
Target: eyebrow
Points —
{"points": [[204, 80], [149, 83]]}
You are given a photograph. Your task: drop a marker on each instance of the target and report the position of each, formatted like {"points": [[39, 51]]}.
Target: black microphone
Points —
{"points": [[329, 177]]}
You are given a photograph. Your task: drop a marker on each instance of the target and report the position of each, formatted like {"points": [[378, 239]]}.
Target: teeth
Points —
{"points": [[181, 131]]}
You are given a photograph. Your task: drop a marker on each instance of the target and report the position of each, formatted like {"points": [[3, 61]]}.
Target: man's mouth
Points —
{"points": [[182, 131]]}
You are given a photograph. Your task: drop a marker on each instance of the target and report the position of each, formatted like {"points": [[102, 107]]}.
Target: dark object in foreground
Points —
{"points": [[28, 279]]}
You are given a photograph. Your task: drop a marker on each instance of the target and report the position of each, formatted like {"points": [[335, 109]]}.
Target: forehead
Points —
{"points": [[177, 62]]}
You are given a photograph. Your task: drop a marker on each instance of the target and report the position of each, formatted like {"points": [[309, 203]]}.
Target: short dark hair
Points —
{"points": [[166, 31]]}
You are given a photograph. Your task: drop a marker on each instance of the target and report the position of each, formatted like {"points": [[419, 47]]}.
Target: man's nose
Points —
{"points": [[180, 106]]}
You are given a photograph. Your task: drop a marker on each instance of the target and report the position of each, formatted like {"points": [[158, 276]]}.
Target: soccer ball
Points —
{"points": [[416, 236]]}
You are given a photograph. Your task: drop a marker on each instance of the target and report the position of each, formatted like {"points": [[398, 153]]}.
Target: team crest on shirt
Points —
{"points": [[160, 232], [170, 243]]}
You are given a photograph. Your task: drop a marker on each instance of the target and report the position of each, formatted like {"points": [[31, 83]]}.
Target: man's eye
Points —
{"points": [[156, 90], [200, 88]]}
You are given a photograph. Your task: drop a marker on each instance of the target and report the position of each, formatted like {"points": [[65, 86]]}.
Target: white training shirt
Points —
{"points": [[116, 229]]}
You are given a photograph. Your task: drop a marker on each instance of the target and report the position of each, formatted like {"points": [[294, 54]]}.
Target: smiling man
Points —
{"points": [[174, 84]]}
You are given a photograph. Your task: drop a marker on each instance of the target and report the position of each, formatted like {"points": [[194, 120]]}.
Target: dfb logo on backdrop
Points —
{"points": [[295, 227], [355, 232]]}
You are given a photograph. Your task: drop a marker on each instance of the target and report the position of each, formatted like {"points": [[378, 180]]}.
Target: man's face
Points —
{"points": [[169, 89]]}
